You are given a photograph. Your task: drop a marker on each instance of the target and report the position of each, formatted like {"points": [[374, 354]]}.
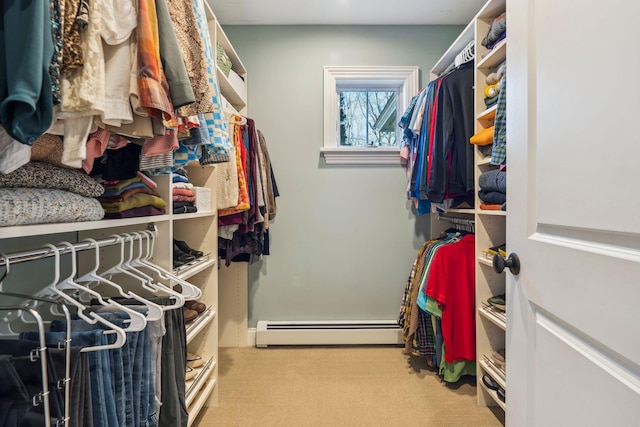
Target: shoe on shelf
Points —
{"points": [[195, 360], [190, 374], [497, 356], [186, 249], [189, 315], [490, 383], [499, 249], [181, 257], [498, 301], [195, 305]]}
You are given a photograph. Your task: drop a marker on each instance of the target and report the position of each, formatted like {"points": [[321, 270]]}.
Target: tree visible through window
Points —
{"points": [[368, 117]]}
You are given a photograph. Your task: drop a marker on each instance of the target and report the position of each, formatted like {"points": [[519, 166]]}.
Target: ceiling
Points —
{"points": [[345, 12]]}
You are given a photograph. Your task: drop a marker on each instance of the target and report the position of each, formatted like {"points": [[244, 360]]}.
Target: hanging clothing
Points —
{"points": [[26, 49], [436, 132], [442, 330]]}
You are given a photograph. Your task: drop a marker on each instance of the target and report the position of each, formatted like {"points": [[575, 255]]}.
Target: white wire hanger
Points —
{"points": [[154, 311], [143, 279], [189, 291], [92, 318], [467, 54], [137, 321]]}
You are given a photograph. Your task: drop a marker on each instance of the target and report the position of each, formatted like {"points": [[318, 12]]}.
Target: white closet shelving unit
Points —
{"points": [[491, 324], [199, 230], [234, 291]]}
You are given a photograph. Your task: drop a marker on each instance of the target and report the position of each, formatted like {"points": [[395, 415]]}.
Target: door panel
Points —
{"points": [[566, 362], [586, 96], [573, 341]]}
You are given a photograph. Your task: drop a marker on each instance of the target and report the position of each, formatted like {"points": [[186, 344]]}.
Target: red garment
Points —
{"points": [[451, 282]]}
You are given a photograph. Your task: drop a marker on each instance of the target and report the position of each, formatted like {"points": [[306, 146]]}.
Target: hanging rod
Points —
{"points": [[459, 221], [35, 254]]}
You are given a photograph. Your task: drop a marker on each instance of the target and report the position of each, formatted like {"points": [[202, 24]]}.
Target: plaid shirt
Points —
{"points": [[499, 150]]}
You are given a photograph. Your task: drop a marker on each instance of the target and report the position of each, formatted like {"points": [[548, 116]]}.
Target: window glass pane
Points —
{"points": [[368, 117]]}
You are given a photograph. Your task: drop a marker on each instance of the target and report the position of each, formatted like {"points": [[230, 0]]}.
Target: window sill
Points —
{"points": [[362, 156]]}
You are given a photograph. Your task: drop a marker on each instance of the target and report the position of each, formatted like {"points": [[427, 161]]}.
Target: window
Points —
{"points": [[361, 110], [368, 117]]}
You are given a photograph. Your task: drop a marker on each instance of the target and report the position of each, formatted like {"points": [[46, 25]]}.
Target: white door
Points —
{"points": [[573, 214]]}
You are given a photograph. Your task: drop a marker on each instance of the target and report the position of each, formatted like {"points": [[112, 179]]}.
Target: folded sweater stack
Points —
{"points": [[183, 194], [493, 187], [131, 198]]}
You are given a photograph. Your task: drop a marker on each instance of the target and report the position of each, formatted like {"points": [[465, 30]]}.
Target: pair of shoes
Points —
{"points": [[490, 383], [493, 385], [181, 258], [186, 249], [497, 356], [189, 315], [190, 374], [195, 305], [499, 302], [499, 249], [195, 360]]}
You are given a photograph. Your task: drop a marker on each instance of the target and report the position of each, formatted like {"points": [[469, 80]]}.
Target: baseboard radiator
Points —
{"points": [[348, 332]]}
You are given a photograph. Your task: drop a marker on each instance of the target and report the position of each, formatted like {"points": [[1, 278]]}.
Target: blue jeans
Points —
{"points": [[137, 394]]}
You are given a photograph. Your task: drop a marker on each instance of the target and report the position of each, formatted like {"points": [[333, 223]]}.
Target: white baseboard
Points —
{"points": [[251, 337]]}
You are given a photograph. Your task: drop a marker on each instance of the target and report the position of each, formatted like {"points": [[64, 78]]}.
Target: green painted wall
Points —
{"points": [[345, 237]]}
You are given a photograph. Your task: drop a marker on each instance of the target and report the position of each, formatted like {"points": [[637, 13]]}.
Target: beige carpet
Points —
{"points": [[339, 386]]}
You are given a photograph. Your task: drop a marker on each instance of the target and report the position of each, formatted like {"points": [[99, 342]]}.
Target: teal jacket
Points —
{"points": [[26, 48]]}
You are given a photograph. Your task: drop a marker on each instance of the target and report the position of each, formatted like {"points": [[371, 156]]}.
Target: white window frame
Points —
{"points": [[404, 77]]}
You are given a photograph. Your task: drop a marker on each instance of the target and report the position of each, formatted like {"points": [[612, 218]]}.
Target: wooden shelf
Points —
{"points": [[486, 161], [199, 391], [44, 229], [201, 322], [229, 92], [487, 115], [191, 269], [495, 57], [204, 214], [447, 59], [496, 373], [493, 395], [485, 261], [494, 315], [195, 384], [469, 211], [491, 213]]}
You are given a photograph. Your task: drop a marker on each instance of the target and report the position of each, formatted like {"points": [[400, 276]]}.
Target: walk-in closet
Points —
{"points": [[280, 214]]}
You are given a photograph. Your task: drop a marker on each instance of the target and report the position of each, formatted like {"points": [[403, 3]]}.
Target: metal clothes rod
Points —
{"points": [[470, 223], [35, 254]]}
